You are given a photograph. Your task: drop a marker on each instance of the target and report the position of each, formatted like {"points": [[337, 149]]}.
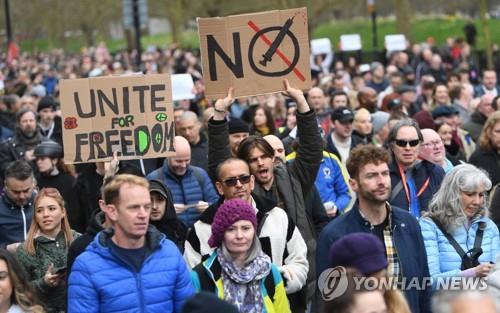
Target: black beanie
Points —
{"points": [[237, 125]]}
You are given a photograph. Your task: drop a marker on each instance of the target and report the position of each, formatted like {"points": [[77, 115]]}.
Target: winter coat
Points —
{"points": [[207, 277], [279, 237], [489, 161], [102, 282], [15, 221], [443, 259], [293, 181], [81, 243], [407, 240], [331, 181], [199, 152], [193, 186], [420, 172], [47, 251]]}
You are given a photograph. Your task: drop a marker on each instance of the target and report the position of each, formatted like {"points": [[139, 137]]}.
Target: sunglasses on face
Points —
{"points": [[404, 143], [231, 182]]}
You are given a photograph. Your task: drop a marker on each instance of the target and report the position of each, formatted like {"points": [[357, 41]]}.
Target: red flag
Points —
{"points": [[12, 52]]}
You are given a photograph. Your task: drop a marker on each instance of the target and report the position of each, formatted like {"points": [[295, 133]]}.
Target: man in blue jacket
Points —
{"points": [[16, 204], [396, 228], [191, 187], [130, 267]]}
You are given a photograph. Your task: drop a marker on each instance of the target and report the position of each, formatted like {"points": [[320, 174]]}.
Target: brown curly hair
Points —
{"points": [[366, 154]]}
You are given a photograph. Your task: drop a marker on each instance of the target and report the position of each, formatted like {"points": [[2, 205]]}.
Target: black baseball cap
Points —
{"points": [[342, 114]]}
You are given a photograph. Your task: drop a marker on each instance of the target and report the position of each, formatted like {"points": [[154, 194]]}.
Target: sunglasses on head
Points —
{"points": [[404, 143], [231, 182]]}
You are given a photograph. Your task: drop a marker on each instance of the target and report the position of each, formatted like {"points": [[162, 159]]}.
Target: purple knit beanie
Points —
{"points": [[227, 214], [363, 251]]}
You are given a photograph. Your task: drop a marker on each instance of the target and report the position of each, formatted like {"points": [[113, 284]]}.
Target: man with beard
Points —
{"points": [[285, 184], [396, 228], [22, 145]]}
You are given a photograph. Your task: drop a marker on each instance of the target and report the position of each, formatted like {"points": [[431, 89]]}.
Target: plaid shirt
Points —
{"points": [[393, 265]]}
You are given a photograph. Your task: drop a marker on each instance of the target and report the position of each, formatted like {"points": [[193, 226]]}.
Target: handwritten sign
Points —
{"points": [[253, 53], [131, 114]]}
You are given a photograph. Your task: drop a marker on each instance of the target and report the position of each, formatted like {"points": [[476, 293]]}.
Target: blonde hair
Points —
{"points": [[484, 139], [53, 193], [111, 192]]}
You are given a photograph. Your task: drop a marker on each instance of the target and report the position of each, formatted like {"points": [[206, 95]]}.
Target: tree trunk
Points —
{"points": [[483, 7], [403, 18]]}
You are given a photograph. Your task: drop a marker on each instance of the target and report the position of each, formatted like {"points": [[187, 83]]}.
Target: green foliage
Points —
{"points": [[438, 28]]}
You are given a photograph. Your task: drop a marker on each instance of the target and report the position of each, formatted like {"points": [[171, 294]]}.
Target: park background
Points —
{"points": [[43, 25]]}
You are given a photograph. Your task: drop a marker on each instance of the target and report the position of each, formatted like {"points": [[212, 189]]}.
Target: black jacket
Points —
{"points": [[489, 161], [293, 181], [199, 153], [330, 146], [80, 244]]}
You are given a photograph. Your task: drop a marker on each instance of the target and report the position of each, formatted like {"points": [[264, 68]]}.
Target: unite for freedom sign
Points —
{"points": [[132, 115], [253, 53]]}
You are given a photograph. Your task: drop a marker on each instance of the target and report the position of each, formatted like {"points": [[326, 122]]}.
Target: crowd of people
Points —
{"points": [[386, 172]]}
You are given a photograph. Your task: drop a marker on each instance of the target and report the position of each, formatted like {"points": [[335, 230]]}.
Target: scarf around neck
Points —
{"points": [[242, 285]]}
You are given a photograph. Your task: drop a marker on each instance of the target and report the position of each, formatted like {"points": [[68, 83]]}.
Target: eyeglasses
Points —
{"points": [[404, 143], [231, 182]]}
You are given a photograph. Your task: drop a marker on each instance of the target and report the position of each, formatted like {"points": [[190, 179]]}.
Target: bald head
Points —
{"points": [[432, 148], [279, 149], [180, 162], [316, 99], [484, 106]]}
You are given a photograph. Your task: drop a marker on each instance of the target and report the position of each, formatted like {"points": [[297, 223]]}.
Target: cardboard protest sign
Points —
{"points": [[321, 46], [253, 53], [350, 42], [182, 87], [395, 42], [129, 114]]}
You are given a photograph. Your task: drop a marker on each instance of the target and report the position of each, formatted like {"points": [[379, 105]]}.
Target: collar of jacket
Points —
{"points": [[360, 216], [153, 237], [10, 204], [213, 266]]}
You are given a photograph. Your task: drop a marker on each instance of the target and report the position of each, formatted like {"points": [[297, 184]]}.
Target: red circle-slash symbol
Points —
{"points": [[70, 123]]}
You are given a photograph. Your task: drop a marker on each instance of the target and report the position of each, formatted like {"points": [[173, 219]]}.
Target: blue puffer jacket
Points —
{"points": [[443, 259], [101, 282], [188, 189], [331, 181]]}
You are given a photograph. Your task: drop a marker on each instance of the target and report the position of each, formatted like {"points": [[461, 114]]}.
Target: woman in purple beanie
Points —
{"points": [[238, 271]]}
